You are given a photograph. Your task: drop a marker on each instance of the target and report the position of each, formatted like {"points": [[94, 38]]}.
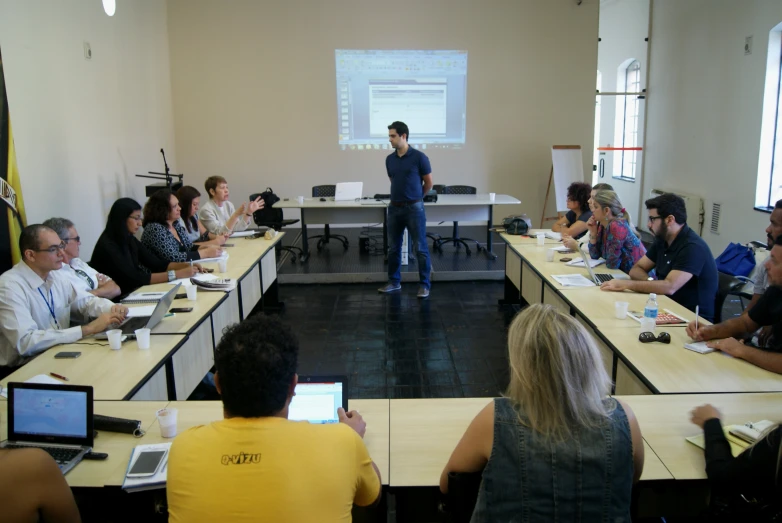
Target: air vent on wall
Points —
{"points": [[716, 210]]}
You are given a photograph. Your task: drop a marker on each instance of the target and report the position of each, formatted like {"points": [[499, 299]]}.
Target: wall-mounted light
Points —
{"points": [[110, 6]]}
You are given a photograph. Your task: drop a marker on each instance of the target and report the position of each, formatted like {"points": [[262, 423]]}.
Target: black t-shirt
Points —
{"points": [[688, 253], [571, 219], [768, 311]]}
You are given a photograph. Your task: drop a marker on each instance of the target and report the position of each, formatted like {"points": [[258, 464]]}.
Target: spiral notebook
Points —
{"points": [[144, 297]]}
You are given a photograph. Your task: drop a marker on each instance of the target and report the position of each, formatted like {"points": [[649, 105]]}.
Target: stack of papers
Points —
{"points": [[554, 235], [157, 481], [242, 234], [144, 297], [573, 280], [580, 262], [699, 347], [41, 378]]}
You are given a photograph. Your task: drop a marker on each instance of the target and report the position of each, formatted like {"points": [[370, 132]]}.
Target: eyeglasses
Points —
{"points": [[652, 218], [76, 239], [137, 218], [53, 249], [649, 337]]}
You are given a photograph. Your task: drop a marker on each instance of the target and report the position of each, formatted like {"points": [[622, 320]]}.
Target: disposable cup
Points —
{"points": [[166, 418], [541, 238], [115, 339], [550, 255], [620, 309], [492, 196], [192, 292], [142, 338], [222, 266]]}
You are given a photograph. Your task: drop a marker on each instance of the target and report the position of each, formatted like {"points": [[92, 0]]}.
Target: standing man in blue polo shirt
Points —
{"points": [[685, 267], [411, 178]]}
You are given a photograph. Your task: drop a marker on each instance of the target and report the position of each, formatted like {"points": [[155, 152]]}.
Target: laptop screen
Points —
{"points": [[50, 413], [317, 402]]}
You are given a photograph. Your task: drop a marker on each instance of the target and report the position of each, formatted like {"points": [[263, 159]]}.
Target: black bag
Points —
{"points": [[268, 215]]}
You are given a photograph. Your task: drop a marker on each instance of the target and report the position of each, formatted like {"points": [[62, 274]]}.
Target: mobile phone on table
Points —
{"points": [[180, 296], [147, 463], [181, 309], [66, 355]]}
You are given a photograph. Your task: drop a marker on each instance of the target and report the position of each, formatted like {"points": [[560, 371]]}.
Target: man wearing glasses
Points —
{"points": [[685, 267], [82, 276], [37, 302]]}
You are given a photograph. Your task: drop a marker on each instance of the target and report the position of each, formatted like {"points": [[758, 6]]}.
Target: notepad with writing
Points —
{"points": [[144, 297], [157, 481], [739, 436]]}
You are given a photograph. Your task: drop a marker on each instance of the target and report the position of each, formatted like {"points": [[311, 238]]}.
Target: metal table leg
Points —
{"points": [[305, 248], [489, 251]]}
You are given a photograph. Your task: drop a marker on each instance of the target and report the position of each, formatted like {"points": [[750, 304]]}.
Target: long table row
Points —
{"points": [[411, 440], [636, 368], [182, 345]]}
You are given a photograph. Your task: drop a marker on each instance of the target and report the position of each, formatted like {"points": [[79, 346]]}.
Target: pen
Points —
{"points": [[697, 310], [59, 376]]}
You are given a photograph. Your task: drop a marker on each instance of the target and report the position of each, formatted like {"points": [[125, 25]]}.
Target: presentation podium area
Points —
{"points": [[635, 367], [181, 346], [447, 208]]}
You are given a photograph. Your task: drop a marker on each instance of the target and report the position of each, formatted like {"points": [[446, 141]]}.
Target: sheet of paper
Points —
{"points": [[580, 262], [553, 235], [144, 310], [573, 280], [242, 234], [40, 378], [213, 260], [561, 248], [199, 277]]}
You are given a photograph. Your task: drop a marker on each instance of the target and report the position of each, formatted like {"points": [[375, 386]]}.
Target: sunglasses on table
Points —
{"points": [[649, 337]]}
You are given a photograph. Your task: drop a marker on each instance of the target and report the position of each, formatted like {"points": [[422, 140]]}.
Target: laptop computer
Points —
{"points": [[55, 418], [348, 191], [130, 325], [599, 278], [318, 398]]}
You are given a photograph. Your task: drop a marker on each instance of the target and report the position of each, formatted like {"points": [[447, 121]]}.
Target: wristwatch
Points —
{"points": [[171, 275]]}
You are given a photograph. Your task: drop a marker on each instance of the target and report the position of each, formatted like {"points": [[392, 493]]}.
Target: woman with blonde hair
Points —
{"points": [[612, 235], [555, 447]]}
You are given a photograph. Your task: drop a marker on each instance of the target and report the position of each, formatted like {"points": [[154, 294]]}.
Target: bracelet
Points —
{"points": [[171, 275]]}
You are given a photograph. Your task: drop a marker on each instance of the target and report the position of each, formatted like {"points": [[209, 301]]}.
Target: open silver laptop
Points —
{"points": [[55, 418], [599, 278], [130, 325], [348, 191]]}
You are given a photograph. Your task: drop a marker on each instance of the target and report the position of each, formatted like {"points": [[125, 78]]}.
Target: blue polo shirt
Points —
{"points": [[688, 253], [406, 173]]}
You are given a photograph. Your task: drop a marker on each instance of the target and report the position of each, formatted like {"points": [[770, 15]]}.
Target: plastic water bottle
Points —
{"points": [[650, 314]]}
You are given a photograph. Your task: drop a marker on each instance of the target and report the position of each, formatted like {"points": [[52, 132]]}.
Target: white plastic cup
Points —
{"points": [[300, 199], [166, 418], [541, 238], [620, 309], [492, 196], [192, 292], [550, 255], [142, 338], [115, 339], [648, 324], [222, 266]]}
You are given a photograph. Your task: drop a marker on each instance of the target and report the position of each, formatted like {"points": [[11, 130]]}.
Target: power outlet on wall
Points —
{"points": [[87, 51], [748, 45]]}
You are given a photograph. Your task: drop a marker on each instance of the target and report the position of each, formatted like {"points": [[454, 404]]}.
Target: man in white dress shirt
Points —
{"points": [[37, 302], [218, 215], [82, 276]]}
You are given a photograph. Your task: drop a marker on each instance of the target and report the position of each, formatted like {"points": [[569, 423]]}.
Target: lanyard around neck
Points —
{"points": [[49, 305]]}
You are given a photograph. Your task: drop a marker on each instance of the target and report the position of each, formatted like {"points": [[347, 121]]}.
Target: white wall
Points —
{"points": [[623, 28], [705, 104], [84, 128], [254, 89]]}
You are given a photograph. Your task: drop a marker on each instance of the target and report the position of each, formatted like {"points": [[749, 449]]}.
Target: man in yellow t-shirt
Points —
{"points": [[256, 465]]}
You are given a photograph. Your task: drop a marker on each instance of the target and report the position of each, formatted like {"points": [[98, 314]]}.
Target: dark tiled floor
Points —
{"points": [[397, 346]]}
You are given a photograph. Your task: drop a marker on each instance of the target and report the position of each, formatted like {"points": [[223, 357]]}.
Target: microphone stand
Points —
{"points": [[166, 176]]}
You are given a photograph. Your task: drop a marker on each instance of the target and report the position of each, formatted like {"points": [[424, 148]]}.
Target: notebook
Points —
{"points": [[664, 317], [699, 347], [144, 297], [739, 436], [54, 418], [318, 398], [156, 481]]}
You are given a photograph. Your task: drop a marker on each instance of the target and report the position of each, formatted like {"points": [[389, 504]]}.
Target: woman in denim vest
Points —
{"points": [[555, 447]]}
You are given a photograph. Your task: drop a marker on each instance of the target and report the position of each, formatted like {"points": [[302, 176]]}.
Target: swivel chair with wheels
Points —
{"points": [[273, 218], [323, 191], [456, 239]]}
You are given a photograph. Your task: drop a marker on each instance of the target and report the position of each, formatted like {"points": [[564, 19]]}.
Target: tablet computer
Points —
{"points": [[318, 398]]}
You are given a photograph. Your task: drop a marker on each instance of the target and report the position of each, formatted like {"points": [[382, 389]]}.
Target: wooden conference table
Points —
{"points": [[635, 367], [181, 346], [448, 207]]}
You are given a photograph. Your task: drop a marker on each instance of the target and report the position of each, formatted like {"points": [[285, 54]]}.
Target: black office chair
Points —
{"points": [[439, 189], [458, 505], [456, 239], [324, 191], [730, 286], [273, 218]]}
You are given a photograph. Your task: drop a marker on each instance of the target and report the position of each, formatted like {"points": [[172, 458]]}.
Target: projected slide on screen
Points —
{"points": [[427, 90]]}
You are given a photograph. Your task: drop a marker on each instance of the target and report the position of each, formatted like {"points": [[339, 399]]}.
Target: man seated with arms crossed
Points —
{"points": [[767, 311], [287, 471], [774, 230], [685, 267], [37, 301], [82, 276], [218, 215]]}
